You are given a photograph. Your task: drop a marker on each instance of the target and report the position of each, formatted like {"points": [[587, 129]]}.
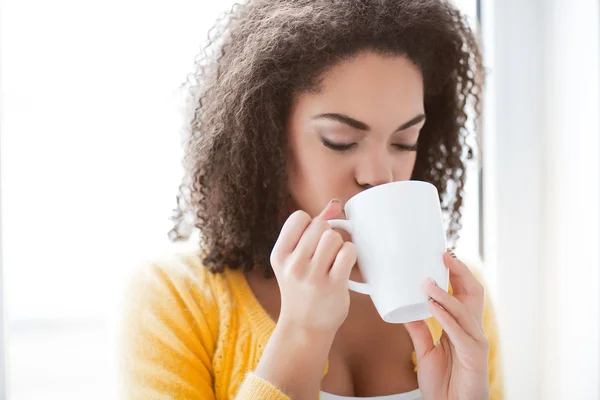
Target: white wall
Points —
{"points": [[91, 162], [572, 218], [541, 172], [512, 184], [2, 298]]}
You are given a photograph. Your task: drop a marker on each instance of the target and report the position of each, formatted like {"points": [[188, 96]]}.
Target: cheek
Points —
{"points": [[303, 173], [324, 170], [316, 177], [406, 167]]}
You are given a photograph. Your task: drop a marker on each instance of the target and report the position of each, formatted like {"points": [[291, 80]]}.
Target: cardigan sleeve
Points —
{"points": [[168, 335]]}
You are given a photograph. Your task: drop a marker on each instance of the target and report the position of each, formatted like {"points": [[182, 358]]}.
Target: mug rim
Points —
{"points": [[384, 185]]}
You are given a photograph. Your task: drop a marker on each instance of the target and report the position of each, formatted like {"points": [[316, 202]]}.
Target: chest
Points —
{"points": [[369, 357]]}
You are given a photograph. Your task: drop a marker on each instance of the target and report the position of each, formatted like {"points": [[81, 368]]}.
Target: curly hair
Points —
{"points": [[259, 56]]}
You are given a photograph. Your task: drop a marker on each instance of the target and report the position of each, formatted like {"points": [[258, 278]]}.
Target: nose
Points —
{"points": [[374, 169]]}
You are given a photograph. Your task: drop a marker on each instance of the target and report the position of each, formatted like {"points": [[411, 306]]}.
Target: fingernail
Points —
{"points": [[435, 303], [452, 253], [330, 203], [434, 283], [326, 214]]}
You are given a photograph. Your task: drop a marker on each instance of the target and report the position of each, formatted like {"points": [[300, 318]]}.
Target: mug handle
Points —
{"points": [[344, 224]]}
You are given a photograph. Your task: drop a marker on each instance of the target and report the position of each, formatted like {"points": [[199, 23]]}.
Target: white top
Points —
{"points": [[412, 395]]}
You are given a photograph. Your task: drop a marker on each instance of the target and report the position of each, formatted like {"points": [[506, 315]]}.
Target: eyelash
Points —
{"points": [[345, 147]]}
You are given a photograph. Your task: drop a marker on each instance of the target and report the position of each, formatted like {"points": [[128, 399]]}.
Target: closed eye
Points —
{"points": [[406, 147], [341, 147], [338, 146]]}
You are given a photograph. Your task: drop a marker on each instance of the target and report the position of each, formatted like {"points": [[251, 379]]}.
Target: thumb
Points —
{"points": [[421, 337]]}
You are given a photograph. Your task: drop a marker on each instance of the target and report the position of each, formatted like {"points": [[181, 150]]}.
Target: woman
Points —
{"points": [[302, 105]]}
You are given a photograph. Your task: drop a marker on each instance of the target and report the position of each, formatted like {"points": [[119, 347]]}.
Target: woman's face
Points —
{"points": [[359, 131]]}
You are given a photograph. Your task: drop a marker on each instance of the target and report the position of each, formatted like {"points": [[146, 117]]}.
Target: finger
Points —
{"points": [[421, 337], [455, 308], [465, 285], [290, 235], [344, 262], [310, 238], [332, 210], [329, 245], [462, 279], [457, 335]]}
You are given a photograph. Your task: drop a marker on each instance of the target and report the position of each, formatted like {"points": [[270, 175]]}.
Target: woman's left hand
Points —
{"points": [[456, 368]]}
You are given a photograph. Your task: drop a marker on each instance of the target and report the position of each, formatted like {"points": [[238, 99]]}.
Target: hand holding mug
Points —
{"points": [[456, 368], [312, 265]]}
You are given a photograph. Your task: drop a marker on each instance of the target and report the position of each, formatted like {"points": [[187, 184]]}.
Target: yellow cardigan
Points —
{"points": [[187, 333]]}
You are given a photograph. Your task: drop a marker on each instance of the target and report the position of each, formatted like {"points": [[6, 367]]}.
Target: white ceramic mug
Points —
{"points": [[399, 236]]}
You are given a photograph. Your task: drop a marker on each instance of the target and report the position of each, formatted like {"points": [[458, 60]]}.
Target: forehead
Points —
{"points": [[370, 85]]}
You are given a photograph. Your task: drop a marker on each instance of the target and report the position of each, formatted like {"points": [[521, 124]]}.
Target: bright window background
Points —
{"points": [[90, 168]]}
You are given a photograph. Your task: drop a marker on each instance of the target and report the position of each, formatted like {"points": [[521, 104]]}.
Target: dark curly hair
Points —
{"points": [[263, 53]]}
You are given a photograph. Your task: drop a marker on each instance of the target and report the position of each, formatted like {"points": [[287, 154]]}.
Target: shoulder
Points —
{"points": [[171, 284], [178, 271]]}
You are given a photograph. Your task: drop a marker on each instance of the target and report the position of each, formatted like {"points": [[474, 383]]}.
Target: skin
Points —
{"points": [[318, 319], [384, 93]]}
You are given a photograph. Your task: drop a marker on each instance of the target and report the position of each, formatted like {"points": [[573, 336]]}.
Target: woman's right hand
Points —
{"points": [[312, 265]]}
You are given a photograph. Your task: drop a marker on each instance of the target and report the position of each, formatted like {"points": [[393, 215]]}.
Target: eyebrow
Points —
{"points": [[361, 125]]}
